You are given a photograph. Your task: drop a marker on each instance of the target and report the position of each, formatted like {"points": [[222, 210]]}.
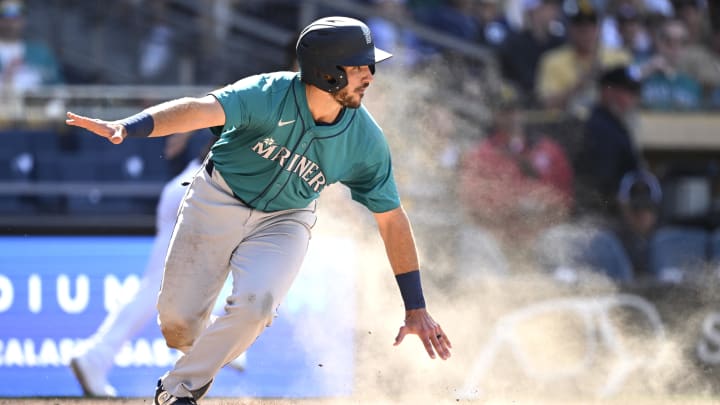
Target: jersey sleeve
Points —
{"points": [[241, 101], [372, 182]]}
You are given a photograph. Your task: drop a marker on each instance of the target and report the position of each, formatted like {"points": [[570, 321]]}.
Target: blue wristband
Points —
{"points": [[411, 289], [139, 125]]}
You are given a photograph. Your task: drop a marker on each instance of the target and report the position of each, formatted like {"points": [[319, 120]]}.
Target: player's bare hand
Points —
{"points": [[113, 131], [419, 322]]}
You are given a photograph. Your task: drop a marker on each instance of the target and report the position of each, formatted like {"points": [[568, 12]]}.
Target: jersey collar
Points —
{"points": [[309, 123]]}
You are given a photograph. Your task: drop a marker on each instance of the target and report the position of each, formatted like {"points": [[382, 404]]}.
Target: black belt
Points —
{"points": [[209, 167]]}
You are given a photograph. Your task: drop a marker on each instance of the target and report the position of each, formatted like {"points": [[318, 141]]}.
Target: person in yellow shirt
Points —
{"points": [[567, 74]]}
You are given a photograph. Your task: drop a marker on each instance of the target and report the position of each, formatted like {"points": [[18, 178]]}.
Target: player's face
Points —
{"points": [[359, 78]]}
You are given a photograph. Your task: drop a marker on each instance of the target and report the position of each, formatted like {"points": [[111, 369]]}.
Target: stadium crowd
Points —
{"points": [[555, 158]]}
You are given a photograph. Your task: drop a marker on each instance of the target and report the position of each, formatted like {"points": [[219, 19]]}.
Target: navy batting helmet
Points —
{"points": [[331, 42]]}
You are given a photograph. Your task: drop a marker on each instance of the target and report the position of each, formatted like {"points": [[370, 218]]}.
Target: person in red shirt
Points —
{"points": [[513, 183]]}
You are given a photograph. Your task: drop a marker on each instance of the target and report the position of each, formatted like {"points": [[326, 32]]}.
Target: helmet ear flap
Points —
{"points": [[339, 80], [329, 79], [372, 68]]}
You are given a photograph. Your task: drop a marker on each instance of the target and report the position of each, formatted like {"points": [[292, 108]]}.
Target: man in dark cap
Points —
{"points": [[606, 154], [608, 149], [639, 198]]}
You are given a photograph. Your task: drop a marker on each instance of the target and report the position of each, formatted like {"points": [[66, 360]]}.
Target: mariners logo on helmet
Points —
{"points": [[366, 33], [328, 44]]}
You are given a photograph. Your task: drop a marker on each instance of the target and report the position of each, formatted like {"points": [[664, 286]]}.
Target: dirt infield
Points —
{"points": [[349, 401]]}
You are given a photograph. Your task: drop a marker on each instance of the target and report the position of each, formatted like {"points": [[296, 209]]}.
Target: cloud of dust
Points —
{"points": [[514, 336]]}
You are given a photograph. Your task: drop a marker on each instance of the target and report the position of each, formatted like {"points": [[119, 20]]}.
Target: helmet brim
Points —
{"points": [[381, 55]]}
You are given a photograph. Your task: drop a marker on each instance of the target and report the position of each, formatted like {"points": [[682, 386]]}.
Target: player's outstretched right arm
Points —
{"points": [[180, 115]]}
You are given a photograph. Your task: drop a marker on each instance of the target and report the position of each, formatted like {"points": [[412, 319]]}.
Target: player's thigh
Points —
{"points": [[195, 271], [265, 265], [198, 258]]}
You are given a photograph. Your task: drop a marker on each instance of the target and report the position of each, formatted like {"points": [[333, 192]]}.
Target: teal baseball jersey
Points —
{"points": [[274, 156]]}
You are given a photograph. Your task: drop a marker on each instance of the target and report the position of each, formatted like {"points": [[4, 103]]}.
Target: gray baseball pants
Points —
{"points": [[216, 234]]}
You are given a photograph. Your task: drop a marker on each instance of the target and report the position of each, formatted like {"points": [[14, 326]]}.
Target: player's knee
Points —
{"points": [[177, 334], [179, 330], [255, 307]]}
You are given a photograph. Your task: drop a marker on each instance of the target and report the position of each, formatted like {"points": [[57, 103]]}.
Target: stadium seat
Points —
{"points": [[12, 205], [16, 158], [155, 166], [133, 160], [43, 144], [678, 251], [86, 169], [47, 169]]}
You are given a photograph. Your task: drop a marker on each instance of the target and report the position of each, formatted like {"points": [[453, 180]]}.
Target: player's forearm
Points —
{"points": [[400, 246], [185, 115], [395, 229]]}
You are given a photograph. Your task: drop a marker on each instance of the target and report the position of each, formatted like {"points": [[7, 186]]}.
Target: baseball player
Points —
{"points": [[94, 359], [250, 210]]}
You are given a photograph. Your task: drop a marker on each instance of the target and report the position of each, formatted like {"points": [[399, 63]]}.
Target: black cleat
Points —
{"points": [[163, 397]]}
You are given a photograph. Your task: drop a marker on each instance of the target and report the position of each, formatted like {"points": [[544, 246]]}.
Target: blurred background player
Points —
{"points": [[92, 363]]}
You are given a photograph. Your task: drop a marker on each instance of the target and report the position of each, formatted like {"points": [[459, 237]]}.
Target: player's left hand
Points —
{"points": [[419, 322]]}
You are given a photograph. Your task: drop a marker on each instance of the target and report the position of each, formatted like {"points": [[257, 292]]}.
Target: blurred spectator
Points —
{"points": [[702, 62], [493, 27], [23, 64], [653, 12], [608, 148], [665, 85], [713, 68], [513, 184], [520, 53], [639, 199], [451, 17], [607, 154], [407, 50], [658, 251], [658, 7], [619, 246], [624, 27], [454, 18], [567, 75], [693, 13], [157, 55], [630, 247]]}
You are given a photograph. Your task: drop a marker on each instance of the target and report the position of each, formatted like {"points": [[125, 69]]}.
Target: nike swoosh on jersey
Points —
{"points": [[282, 123]]}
